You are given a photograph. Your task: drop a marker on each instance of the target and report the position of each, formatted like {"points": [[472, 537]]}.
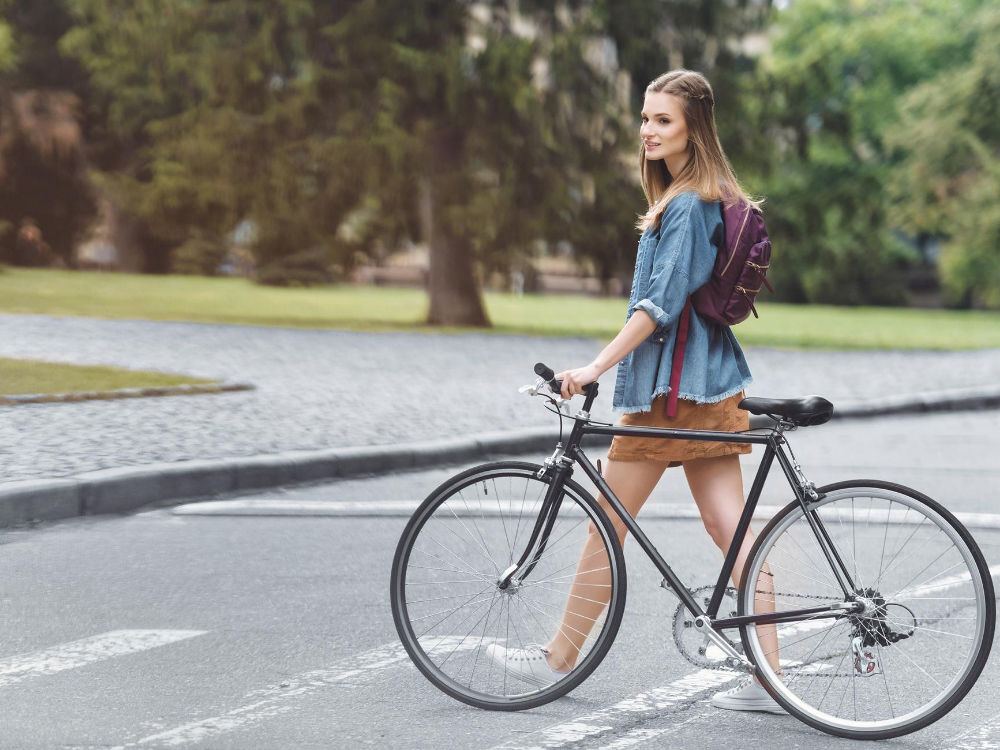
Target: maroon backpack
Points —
{"points": [[727, 297]]}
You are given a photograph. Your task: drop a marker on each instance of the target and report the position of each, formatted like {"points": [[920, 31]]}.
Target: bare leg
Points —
{"points": [[717, 487], [631, 481]]}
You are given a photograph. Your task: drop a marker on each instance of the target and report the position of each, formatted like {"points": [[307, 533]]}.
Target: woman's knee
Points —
{"points": [[618, 526], [720, 531]]}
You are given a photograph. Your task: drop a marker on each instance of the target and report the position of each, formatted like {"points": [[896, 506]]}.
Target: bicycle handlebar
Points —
{"points": [[548, 375]]}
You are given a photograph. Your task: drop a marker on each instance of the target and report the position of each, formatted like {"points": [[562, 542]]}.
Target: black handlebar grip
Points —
{"points": [[547, 374], [544, 371]]}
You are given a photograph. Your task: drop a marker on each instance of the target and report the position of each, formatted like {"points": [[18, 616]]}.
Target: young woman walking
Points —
{"points": [[685, 175]]}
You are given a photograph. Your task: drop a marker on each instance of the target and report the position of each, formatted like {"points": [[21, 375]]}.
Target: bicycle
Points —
{"points": [[879, 599]]}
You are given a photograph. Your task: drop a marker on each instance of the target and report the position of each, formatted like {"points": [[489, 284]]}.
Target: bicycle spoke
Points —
{"points": [[915, 659], [458, 618]]}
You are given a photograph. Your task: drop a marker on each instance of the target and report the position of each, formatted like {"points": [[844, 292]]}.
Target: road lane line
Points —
{"points": [[640, 736], [983, 737], [86, 651], [271, 506], [636, 709], [273, 701], [631, 710]]}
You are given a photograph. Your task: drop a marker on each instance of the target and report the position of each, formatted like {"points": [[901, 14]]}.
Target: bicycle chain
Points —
{"points": [[704, 663], [680, 625]]}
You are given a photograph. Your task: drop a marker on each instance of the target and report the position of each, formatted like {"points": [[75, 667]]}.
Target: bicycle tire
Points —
{"points": [[880, 513], [483, 538]]}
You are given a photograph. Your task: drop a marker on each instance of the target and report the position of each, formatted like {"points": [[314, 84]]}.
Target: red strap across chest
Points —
{"points": [[678, 359]]}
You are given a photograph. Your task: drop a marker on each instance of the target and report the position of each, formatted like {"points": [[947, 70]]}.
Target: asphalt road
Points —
{"points": [[164, 629]]}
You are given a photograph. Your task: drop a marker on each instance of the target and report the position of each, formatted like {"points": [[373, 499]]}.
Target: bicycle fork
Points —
{"points": [[534, 548]]}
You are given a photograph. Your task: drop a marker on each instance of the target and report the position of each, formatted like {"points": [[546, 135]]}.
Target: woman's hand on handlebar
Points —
{"points": [[573, 381]]}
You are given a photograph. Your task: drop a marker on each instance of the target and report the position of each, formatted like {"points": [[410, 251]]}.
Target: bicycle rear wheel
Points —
{"points": [[925, 630], [449, 609]]}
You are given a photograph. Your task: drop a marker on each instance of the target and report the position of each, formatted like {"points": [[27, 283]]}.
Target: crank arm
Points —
{"points": [[734, 659]]}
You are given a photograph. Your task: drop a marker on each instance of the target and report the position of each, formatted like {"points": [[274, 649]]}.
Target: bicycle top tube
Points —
{"points": [[788, 414]]}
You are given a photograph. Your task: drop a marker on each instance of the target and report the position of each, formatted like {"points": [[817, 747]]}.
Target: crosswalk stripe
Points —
{"points": [[982, 737], [637, 708], [272, 701], [86, 651]]}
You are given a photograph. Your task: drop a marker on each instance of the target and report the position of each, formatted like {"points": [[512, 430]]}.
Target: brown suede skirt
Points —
{"points": [[722, 416]]}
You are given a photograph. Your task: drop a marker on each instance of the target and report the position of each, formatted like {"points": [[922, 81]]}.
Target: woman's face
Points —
{"points": [[663, 130]]}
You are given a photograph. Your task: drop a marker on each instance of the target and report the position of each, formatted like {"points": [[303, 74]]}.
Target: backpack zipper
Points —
{"points": [[760, 270], [737, 243], [752, 308]]}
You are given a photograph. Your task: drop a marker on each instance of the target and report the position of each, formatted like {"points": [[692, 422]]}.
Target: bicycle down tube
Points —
{"points": [[772, 450]]}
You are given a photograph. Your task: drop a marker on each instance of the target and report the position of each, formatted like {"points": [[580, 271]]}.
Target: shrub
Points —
{"points": [[197, 256], [304, 268]]}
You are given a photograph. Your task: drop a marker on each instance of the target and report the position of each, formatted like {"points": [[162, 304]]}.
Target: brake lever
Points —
{"points": [[541, 388]]}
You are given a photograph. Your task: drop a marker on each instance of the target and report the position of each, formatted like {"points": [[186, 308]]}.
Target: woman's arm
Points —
{"points": [[676, 257], [636, 330]]}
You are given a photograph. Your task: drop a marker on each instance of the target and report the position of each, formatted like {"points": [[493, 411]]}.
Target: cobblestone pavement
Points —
{"points": [[322, 389]]}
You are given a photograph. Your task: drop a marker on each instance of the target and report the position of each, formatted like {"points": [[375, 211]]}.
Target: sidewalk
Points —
{"points": [[332, 402]]}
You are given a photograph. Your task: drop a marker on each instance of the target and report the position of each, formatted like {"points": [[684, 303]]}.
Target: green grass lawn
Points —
{"points": [[215, 300], [20, 376]]}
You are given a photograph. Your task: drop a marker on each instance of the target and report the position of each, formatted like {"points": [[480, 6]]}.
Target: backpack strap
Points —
{"points": [[680, 343]]}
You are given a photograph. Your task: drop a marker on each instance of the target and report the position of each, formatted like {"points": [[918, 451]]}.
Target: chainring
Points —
{"points": [[694, 645]]}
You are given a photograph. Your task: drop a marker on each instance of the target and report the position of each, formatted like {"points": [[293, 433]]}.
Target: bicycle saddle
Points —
{"points": [[802, 412]]}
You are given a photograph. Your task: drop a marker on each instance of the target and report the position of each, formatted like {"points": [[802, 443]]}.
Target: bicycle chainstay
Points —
{"points": [[682, 612]]}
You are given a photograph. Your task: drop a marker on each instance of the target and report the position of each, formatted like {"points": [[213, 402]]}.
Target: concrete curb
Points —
{"points": [[190, 389], [125, 489]]}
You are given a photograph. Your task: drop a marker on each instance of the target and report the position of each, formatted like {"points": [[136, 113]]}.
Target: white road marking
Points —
{"points": [[943, 584], [274, 701], [983, 737], [638, 707], [564, 734], [86, 651], [639, 736], [271, 506], [932, 587]]}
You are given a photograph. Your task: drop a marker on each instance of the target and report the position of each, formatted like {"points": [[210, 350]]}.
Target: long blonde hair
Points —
{"points": [[707, 170]]}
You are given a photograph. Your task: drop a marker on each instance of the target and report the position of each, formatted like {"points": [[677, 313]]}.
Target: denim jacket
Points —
{"points": [[671, 264]]}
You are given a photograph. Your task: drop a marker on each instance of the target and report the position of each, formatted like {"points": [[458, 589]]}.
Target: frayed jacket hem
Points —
{"points": [[642, 409]]}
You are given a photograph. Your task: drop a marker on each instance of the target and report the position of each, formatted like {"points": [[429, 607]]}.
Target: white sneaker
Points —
{"points": [[747, 696], [527, 664]]}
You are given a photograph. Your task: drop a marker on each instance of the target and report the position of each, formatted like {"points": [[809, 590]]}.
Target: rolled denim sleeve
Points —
{"points": [[682, 231]]}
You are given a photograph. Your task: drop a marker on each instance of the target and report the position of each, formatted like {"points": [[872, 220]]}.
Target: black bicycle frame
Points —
{"points": [[772, 443]]}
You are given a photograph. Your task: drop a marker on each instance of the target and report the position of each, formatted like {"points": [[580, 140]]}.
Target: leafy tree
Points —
{"points": [[948, 183], [491, 116], [215, 110], [43, 170], [829, 93]]}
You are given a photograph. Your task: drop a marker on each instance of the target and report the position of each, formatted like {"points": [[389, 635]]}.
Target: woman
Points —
{"points": [[684, 175]]}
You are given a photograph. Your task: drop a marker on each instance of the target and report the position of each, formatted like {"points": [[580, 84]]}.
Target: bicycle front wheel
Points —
{"points": [[456, 621], [923, 618]]}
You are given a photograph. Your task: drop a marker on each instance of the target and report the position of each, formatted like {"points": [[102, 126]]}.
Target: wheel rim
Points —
{"points": [[451, 609], [914, 574]]}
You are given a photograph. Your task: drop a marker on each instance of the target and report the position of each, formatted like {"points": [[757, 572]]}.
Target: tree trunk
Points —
{"points": [[455, 299]]}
